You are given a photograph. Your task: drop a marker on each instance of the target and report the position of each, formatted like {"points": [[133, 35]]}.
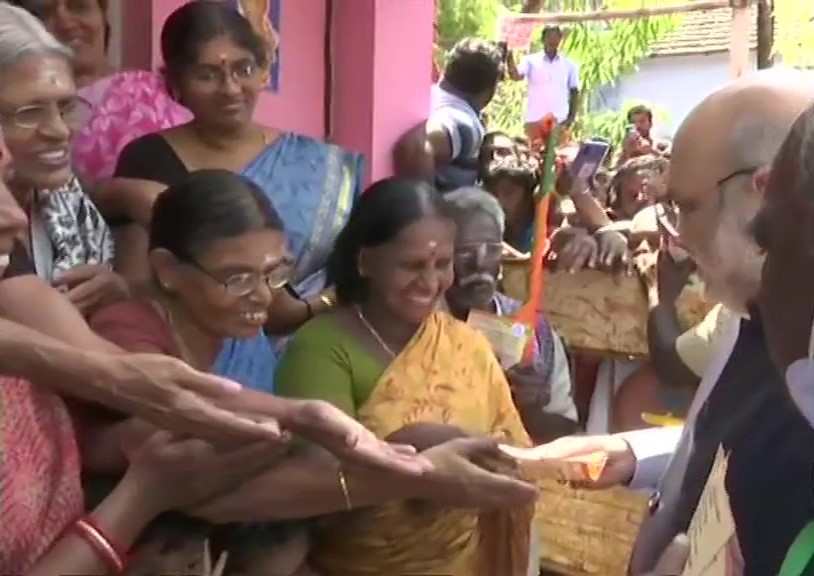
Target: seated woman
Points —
{"points": [[215, 65], [67, 242], [201, 299], [218, 257], [542, 388], [407, 371], [118, 106]]}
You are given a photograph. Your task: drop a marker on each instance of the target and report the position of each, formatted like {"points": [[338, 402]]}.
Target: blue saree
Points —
{"points": [[313, 186]]}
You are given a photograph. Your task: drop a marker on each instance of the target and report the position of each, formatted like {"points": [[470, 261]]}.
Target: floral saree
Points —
{"points": [[446, 374]]}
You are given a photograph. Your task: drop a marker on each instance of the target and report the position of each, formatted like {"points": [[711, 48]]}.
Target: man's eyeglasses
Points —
{"points": [[669, 215], [479, 252], [70, 111], [244, 283]]}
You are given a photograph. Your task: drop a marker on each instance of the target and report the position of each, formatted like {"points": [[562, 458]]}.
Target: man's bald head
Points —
{"points": [[719, 154], [744, 123]]}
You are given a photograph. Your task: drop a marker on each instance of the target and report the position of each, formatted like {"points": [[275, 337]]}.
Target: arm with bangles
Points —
{"points": [[121, 517], [288, 311], [164, 474], [309, 482]]}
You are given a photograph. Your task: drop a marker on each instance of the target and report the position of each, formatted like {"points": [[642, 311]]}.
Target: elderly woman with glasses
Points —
{"points": [[68, 243], [218, 259], [541, 389]]}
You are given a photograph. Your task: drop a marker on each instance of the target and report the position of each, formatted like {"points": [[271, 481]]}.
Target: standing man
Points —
{"points": [[553, 81], [445, 148]]}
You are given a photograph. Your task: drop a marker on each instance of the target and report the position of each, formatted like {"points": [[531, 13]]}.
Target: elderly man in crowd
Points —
{"points": [[716, 184], [542, 388]]}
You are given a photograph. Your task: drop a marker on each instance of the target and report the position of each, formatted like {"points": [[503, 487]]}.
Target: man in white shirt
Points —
{"points": [[553, 81]]}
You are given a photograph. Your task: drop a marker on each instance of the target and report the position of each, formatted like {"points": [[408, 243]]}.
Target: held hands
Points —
{"points": [[574, 249], [91, 286], [620, 465], [474, 473]]}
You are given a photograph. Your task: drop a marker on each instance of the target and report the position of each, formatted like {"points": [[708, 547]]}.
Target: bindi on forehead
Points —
{"points": [[37, 79]]}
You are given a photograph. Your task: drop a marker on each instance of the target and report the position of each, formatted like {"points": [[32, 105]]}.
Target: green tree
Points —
{"points": [[794, 36], [605, 51]]}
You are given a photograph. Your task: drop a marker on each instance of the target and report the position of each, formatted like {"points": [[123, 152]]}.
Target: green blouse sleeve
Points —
{"points": [[316, 366]]}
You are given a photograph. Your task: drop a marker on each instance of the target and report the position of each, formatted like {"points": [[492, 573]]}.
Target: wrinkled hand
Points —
{"points": [[91, 286], [175, 474], [613, 253], [169, 394], [621, 463], [474, 473], [673, 559], [528, 387], [349, 441], [572, 249]]}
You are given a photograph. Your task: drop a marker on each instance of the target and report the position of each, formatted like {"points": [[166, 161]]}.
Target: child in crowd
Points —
{"points": [[513, 180]]}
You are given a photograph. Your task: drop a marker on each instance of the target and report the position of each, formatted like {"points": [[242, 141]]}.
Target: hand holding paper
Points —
{"points": [[590, 461]]}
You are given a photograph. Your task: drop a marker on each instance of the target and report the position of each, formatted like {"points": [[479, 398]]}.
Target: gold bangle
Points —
{"points": [[343, 484], [326, 300]]}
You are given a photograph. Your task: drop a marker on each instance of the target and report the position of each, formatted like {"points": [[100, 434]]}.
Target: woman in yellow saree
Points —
{"points": [[409, 373]]}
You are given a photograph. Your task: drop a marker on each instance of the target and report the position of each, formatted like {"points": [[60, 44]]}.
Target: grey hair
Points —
{"points": [[470, 200], [22, 34]]}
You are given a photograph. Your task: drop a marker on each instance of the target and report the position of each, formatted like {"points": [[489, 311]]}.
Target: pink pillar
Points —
{"points": [[382, 54]]}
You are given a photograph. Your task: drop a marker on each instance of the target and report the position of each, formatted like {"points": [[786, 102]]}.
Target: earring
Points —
{"points": [[500, 274]]}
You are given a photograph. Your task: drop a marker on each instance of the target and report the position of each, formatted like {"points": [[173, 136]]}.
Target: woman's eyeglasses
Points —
{"points": [[70, 111], [244, 283], [212, 77]]}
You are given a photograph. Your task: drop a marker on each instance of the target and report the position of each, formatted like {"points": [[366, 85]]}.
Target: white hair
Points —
{"points": [[22, 34], [470, 200]]}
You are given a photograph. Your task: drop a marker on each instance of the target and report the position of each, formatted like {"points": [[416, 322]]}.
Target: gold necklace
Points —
{"points": [[183, 350], [373, 332]]}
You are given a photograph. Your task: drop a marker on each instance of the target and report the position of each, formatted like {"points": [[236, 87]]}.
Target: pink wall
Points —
{"points": [[382, 74], [299, 105]]}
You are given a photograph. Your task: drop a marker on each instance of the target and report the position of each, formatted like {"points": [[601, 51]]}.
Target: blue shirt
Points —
{"points": [[463, 125]]}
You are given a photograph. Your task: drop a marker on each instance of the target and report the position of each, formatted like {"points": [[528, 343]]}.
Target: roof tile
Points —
{"points": [[702, 32]]}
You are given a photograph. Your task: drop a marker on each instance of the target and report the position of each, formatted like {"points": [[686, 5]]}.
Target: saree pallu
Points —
{"points": [[313, 186], [121, 107], [446, 374], [40, 489]]}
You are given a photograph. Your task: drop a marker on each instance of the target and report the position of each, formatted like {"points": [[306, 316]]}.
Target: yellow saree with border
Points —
{"points": [[447, 374]]}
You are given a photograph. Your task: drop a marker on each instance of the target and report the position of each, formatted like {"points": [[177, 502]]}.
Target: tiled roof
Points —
{"points": [[703, 32]]}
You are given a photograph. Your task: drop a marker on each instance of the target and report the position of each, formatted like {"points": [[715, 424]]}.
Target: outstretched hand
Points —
{"points": [[474, 473], [173, 396], [349, 441]]}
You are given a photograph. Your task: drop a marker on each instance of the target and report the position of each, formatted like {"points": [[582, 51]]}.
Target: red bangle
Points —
{"points": [[90, 532]]}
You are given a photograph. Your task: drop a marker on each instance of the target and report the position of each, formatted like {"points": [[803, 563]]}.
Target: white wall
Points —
{"points": [[675, 84]]}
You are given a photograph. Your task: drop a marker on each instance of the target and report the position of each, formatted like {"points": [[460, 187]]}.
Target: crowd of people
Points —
{"points": [[223, 356]]}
